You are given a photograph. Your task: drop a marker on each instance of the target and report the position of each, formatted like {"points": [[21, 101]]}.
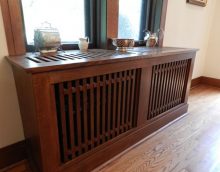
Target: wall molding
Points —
{"points": [[205, 80], [12, 154]]}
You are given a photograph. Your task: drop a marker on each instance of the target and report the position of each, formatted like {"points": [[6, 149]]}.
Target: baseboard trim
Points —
{"points": [[195, 82], [211, 81], [205, 80], [12, 154]]}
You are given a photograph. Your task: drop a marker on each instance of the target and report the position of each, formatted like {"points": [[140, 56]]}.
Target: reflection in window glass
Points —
{"points": [[129, 19], [66, 15]]}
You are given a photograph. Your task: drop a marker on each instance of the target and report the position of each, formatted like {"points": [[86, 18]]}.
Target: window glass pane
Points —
{"points": [[129, 19], [68, 16]]}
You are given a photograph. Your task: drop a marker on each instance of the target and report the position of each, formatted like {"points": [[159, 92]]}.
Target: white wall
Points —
{"points": [[212, 67], [10, 121], [189, 26]]}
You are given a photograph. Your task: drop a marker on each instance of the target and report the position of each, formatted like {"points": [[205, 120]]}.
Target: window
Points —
{"points": [[68, 16], [136, 16], [97, 19], [59, 14], [129, 19]]}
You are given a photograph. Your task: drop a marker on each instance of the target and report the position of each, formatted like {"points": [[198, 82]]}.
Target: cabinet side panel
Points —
{"points": [[47, 122], [189, 79], [29, 117]]}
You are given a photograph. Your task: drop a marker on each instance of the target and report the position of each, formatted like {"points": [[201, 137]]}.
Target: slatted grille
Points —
{"points": [[167, 86], [92, 111], [73, 56]]}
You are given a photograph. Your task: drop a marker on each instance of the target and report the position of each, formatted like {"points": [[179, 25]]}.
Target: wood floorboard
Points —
{"points": [[22, 166], [191, 144]]}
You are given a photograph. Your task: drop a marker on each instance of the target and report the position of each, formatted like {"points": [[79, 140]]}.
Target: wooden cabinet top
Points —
{"points": [[35, 63]]}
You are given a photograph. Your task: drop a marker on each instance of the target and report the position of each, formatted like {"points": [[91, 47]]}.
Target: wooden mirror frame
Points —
{"points": [[15, 36]]}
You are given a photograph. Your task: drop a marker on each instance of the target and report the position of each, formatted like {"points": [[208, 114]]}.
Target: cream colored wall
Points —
{"points": [[189, 26], [10, 121], [212, 67]]}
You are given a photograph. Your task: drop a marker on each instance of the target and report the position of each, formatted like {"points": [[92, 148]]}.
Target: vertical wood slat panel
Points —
{"points": [[176, 86], [78, 115], [158, 94], [161, 89], [104, 108], [123, 101], [109, 106], [71, 114], [92, 111], [164, 88], [63, 121], [98, 110], [155, 91], [128, 99], [170, 86], [85, 114], [132, 98], [119, 102], [95, 110], [181, 82], [183, 71], [169, 100], [136, 118], [174, 81], [167, 86], [180, 78], [114, 105], [151, 91]]}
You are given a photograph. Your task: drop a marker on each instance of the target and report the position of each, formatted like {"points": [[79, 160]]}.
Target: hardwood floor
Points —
{"points": [[191, 144], [22, 166]]}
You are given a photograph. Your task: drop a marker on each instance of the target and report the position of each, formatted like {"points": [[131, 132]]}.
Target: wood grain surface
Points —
{"points": [[189, 145], [34, 62], [52, 151], [22, 166]]}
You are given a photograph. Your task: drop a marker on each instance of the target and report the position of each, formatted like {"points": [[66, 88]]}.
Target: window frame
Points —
{"points": [[90, 8], [105, 27], [112, 22]]}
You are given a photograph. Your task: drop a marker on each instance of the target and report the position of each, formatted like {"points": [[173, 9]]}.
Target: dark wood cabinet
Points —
{"points": [[81, 109]]}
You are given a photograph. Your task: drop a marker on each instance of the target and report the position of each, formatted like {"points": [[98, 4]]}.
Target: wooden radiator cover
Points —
{"points": [[94, 110], [168, 84], [81, 109]]}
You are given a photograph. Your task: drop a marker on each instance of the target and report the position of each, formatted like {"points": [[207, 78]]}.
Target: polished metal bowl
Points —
{"points": [[123, 44]]}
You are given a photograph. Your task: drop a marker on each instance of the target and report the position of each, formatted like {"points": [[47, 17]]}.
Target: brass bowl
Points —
{"points": [[123, 44]]}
